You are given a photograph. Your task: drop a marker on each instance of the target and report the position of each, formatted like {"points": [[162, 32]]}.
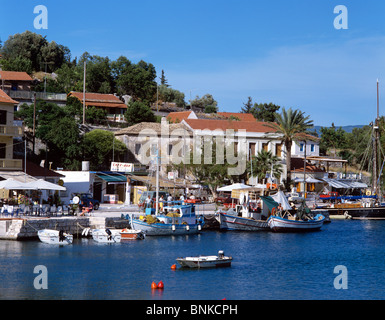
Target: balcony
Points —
{"points": [[12, 131], [11, 164]]}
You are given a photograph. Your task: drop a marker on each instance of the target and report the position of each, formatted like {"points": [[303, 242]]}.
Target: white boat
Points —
{"points": [[129, 234], [55, 237], [106, 235], [229, 220], [206, 261], [279, 224], [181, 220]]}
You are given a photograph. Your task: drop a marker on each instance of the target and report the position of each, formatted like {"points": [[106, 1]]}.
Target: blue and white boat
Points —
{"points": [[180, 220], [279, 224]]}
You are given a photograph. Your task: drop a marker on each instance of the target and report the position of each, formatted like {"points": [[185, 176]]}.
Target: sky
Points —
{"points": [[285, 52]]}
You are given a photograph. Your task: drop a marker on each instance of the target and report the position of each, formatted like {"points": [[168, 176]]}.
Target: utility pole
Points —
{"points": [[84, 94], [34, 122]]}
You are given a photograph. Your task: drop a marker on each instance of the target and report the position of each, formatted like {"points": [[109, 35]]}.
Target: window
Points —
{"points": [[3, 147], [278, 150], [252, 149], [312, 148], [265, 146], [3, 117], [301, 147], [169, 149], [138, 146]]}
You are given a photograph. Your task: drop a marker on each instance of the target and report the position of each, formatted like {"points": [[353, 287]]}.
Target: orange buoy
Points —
{"points": [[160, 285], [154, 285], [173, 267]]}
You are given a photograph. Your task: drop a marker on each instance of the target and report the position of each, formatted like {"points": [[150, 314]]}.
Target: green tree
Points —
{"points": [[206, 101], [264, 111], [247, 107], [163, 80], [17, 63], [264, 163], [139, 112], [291, 124], [98, 148], [168, 94], [332, 139]]}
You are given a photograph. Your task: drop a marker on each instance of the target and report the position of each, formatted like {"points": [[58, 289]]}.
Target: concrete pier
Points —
{"points": [[27, 228]]}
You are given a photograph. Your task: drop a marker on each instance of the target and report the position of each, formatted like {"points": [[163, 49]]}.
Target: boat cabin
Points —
{"points": [[250, 204], [178, 214]]}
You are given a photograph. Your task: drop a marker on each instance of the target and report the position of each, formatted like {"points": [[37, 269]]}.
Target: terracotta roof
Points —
{"points": [[240, 116], [175, 117], [15, 76], [99, 100], [298, 163], [137, 128], [4, 98], [249, 126]]}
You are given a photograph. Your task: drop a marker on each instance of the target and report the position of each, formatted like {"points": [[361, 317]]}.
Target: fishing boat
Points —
{"points": [[279, 224], [304, 219], [55, 237], [249, 215], [129, 234], [206, 261], [106, 235], [180, 220]]}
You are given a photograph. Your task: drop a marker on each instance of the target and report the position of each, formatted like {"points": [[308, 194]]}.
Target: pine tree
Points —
{"points": [[163, 80]]}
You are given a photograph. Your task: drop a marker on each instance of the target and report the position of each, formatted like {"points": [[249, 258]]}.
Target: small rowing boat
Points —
{"points": [[55, 237], [106, 235], [129, 234], [206, 261]]}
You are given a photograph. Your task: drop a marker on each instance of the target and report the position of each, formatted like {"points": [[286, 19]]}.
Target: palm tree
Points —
{"points": [[263, 163], [291, 124]]}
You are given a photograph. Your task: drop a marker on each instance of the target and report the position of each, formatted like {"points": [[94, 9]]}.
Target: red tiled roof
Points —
{"points": [[249, 126], [298, 163], [4, 98], [15, 76], [178, 116], [240, 116], [99, 100]]}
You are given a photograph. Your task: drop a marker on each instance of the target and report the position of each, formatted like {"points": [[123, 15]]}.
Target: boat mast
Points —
{"points": [[375, 143]]}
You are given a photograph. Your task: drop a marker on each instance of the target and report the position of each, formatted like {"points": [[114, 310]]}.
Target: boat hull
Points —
{"points": [[163, 229], [359, 213], [101, 236], [229, 222], [278, 224], [128, 234], [204, 262], [52, 237]]}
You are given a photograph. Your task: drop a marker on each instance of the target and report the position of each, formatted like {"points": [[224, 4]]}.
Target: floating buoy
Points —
{"points": [[173, 267], [160, 285], [154, 285]]}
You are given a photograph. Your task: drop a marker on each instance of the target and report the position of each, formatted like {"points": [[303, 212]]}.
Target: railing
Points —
{"points": [[11, 164], [13, 131], [28, 95]]}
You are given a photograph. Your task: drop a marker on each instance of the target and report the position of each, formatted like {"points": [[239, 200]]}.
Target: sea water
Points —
{"points": [[265, 265]]}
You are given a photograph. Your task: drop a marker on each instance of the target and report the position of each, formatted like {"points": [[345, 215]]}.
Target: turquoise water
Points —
{"points": [[265, 266]]}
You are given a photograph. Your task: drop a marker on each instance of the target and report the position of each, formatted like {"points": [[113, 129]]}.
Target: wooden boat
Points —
{"points": [[249, 215], [206, 261], [129, 234], [229, 220], [279, 224], [55, 237], [181, 220], [106, 235]]}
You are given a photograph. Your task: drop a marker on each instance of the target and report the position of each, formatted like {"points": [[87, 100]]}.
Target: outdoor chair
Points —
{"points": [[59, 210], [53, 210]]}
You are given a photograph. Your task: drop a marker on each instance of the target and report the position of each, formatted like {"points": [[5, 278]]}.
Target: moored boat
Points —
{"points": [[279, 224], [129, 234], [206, 261], [57, 237], [106, 235], [180, 220], [229, 220]]}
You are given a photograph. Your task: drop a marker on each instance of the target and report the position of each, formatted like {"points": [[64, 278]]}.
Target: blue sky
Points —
{"points": [[285, 52]]}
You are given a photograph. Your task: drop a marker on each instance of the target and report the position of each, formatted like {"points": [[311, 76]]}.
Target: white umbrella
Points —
{"points": [[11, 184], [234, 186], [44, 185]]}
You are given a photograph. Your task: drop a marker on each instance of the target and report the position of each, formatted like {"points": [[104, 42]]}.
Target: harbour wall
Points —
{"points": [[26, 229]]}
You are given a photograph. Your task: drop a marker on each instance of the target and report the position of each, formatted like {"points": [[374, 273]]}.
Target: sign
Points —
{"points": [[122, 167], [172, 175]]}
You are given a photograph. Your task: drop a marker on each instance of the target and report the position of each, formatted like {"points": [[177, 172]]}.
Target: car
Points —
{"points": [[294, 197], [194, 201], [86, 199], [223, 198]]}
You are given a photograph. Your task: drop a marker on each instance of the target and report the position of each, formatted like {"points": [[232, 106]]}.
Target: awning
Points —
{"points": [[308, 180], [345, 184], [117, 178]]}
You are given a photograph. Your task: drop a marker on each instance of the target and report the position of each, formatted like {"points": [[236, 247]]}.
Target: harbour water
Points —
{"points": [[266, 266]]}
